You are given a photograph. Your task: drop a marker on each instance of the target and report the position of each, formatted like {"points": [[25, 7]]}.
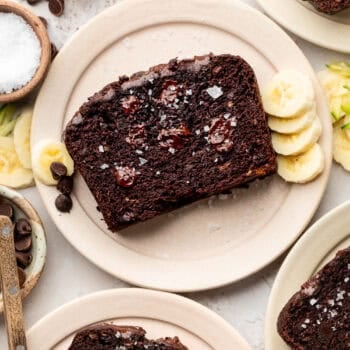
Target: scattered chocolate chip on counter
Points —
{"points": [[64, 203], [56, 7], [54, 51]]}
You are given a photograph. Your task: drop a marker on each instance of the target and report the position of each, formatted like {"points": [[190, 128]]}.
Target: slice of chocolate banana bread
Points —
{"points": [[111, 337], [318, 316], [161, 139], [330, 6]]}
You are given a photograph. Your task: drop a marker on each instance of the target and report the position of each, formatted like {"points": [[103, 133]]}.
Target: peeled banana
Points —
{"points": [[288, 94], [298, 143], [301, 168], [292, 125], [12, 173], [21, 137], [46, 152]]}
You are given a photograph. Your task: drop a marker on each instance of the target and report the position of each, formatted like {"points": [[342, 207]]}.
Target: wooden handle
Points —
{"points": [[11, 292]]}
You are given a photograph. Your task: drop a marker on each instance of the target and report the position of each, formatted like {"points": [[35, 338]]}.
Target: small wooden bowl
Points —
{"points": [[22, 208], [41, 32]]}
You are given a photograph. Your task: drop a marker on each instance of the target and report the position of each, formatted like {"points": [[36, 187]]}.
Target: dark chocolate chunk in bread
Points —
{"points": [[111, 337], [161, 139], [330, 7], [318, 316]]}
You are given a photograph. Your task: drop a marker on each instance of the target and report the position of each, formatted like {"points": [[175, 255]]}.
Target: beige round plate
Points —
{"points": [[317, 247], [211, 243], [160, 314], [301, 18]]}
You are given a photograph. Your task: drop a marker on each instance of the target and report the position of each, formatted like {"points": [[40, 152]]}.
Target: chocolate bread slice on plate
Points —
{"points": [[164, 138], [330, 6], [111, 337], [318, 316]]}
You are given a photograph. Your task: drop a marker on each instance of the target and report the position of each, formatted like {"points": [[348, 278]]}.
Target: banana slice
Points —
{"points": [[302, 168], [292, 125], [341, 147], [333, 83], [346, 126], [21, 137], [46, 152], [288, 94], [12, 173], [289, 145]]}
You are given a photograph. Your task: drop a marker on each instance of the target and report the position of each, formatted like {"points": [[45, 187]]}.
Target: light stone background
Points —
{"points": [[69, 275]]}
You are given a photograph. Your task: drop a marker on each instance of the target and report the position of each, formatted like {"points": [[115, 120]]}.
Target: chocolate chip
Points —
{"points": [[54, 51], [65, 185], [6, 210], [32, 2], [21, 276], [44, 21], [56, 7], [23, 259], [23, 244], [23, 227], [64, 203], [58, 170]]}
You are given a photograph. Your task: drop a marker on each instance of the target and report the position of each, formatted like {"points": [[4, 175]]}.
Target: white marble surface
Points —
{"points": [[68, 275]]}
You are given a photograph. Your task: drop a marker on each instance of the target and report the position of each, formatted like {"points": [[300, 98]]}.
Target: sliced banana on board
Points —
{"points": [[292, 125], [21, 137], [288, 94], [341, 147], [12, 173], [294, 144], [46, 152], [301, 168]]}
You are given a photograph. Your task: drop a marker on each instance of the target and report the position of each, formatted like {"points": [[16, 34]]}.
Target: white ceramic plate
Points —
{"points": [[317, 247], [160, 314], [301, 18], [208, 244]]}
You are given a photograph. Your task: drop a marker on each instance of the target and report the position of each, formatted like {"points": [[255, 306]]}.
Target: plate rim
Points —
{"points": [[188, 285], [184, 306], [302, 30], [287, 271]]}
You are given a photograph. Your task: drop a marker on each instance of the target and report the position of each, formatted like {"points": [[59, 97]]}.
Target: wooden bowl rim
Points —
{"points": [[45, 59]]}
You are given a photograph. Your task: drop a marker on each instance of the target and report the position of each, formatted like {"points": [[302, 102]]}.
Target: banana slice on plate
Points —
{"points": [[46, 152], [290, 145], [12, 173], [341, 147], [302, 168], [292, 125], [21, 137], [288, 94]]}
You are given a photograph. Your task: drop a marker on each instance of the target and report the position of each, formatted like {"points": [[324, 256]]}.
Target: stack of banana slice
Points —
{"points": [[336, 83], [15, 159], [289, 100]]}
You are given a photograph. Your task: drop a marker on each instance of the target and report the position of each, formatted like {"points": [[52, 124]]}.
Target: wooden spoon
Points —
{"points": [[11, 291]]}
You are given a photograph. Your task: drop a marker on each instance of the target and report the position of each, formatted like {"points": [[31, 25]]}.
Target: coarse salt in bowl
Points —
{"points": [[25, 51]]}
